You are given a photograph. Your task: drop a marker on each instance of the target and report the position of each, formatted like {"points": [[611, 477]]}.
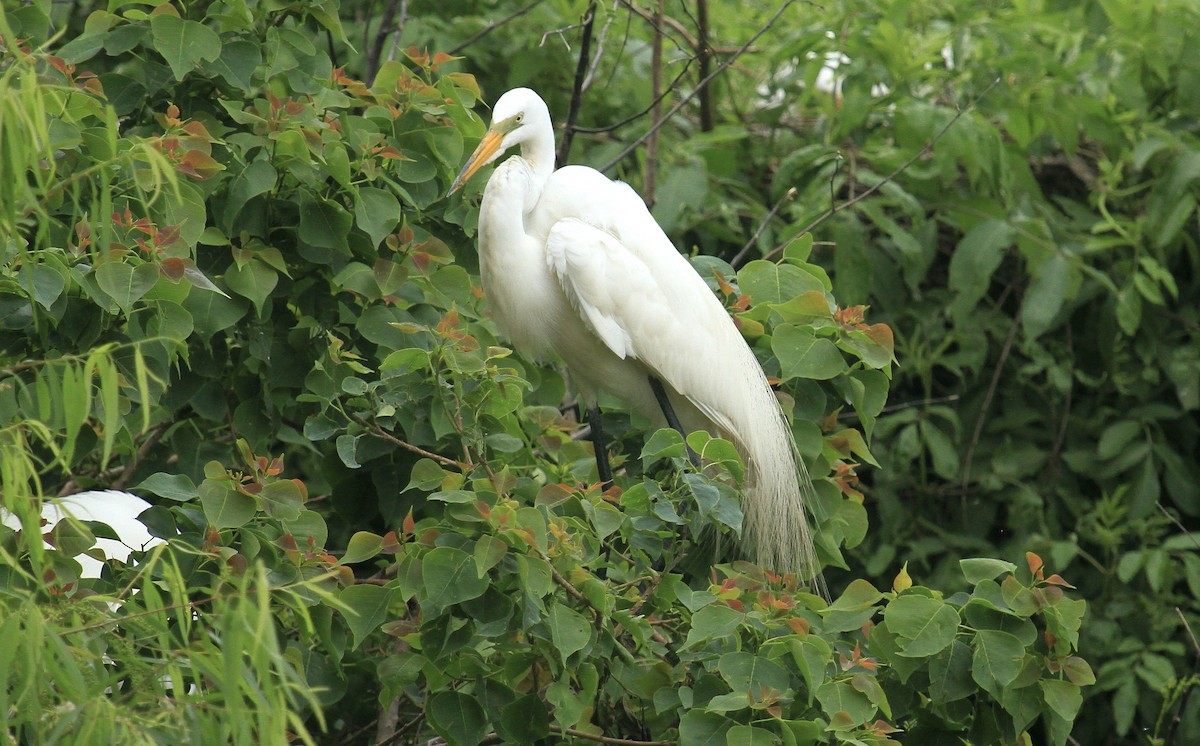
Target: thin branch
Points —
{"points": [[640, 114], [585, 47], [725, 64], [120, 482], [608, 739], [379, 432], [905, 405], [987, 401], [495, 25], [650, 180], [375, 51], [704, 52], [1178, 525], [591, 73], [928, 148], [787, 197], [1181, 707]]}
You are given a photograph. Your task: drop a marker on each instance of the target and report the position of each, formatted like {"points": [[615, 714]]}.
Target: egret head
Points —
{"points": [[518, 118]]}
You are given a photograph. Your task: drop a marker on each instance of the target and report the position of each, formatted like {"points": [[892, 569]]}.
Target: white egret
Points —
{"points": [[119, 510], [572, 263]]}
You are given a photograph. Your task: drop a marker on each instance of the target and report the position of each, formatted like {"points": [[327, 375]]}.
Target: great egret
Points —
{"points": [[120, 510], [573, 263]]}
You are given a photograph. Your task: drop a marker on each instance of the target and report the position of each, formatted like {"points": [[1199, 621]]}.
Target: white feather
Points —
{"points": [[572, 263]]}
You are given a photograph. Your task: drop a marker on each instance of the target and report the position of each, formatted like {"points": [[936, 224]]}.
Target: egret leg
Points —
{"points": [[669, 412], [602, 465]]}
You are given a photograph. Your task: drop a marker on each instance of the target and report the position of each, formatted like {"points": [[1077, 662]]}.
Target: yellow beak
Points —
{"points": [[484, 153]]}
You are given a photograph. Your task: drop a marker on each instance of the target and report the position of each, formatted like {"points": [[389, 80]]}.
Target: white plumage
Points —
{"points": [[120, 510], [573, 263]]}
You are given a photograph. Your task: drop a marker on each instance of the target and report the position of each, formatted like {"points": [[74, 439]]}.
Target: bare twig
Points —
{"points": [[379, 432], [640, 114], [987, 403], [608, 739], [928, 148], [375, 51], [705, 54], [650, 181], [683, 101], [120, 482], [787, 197], [905, 405], [591, 73], [1181, 707], [1178, 525], [585, 46], [495, 25]]}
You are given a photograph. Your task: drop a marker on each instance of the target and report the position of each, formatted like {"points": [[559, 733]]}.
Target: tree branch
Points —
{"points": [[493, 26], [725, 64], [581, 69], [928, 148], [379, 432], [704, 52], [650, 180]]}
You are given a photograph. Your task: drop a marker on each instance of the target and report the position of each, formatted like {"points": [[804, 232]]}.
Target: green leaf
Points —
{"points": [[44, 283], [976, 258], [253, 280], [124, 283], [451, 576], [457, 717], [927, 625], [488, 552], [172, 486], [802, 354], [748, 735], [256, 179], [841, 696], [711, 622], [950, 674], [1046, 294], [183, 43], [996, 660], [859, 595], [282, 500], [569, 631], [1063, 697], [363, 546], [525, 720], [368, 608], [978, 569], [753, 674], [767, 282], [324, 223], [236, 63], [664, 443], [700, 728], [212, 313], [1078, 671], [377, 212], [225, 507]]}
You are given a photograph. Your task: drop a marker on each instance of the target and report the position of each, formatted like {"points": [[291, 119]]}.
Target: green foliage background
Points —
{"points": [[232, 281]]}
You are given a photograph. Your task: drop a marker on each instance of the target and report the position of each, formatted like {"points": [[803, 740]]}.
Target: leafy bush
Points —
{"points": [[229, 249]]}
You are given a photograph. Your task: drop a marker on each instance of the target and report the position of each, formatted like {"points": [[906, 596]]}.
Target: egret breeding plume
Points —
{"points": [[573, 264]]}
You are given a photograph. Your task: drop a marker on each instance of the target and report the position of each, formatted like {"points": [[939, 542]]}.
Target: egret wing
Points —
{"points": [[648, 305]]}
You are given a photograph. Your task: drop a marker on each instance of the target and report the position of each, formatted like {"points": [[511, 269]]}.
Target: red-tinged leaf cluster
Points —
{"points": [[83, 80], [426, 61], [856, 658], [188, 145], [151, 240], [451, 330], [847, 481]]}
